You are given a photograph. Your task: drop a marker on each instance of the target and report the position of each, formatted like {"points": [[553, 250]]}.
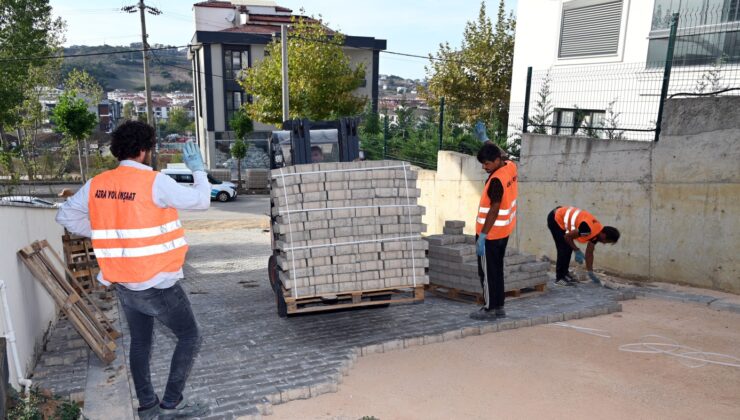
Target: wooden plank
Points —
{"points": [[355, 300], [87, 319]]}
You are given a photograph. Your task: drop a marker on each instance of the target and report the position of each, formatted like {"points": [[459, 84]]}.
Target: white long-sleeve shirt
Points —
{"points": [[166, 193]]}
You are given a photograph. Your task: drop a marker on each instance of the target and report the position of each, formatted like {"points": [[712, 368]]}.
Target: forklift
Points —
{"points": [[303, 142]]}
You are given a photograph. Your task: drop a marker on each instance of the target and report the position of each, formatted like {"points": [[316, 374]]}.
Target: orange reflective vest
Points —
{"points": [[569, 218], [133, 238], [506, 218]]}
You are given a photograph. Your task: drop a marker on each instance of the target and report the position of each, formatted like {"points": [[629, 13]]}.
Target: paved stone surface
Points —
{"points": [[251, 359], [711, 301], [62, 367]]}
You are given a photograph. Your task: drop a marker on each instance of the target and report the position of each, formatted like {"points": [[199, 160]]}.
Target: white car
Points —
{"points": [[34, 201], [220, 190]]}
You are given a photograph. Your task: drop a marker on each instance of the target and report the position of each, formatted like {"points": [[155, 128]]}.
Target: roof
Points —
{"points": [[268, 24], [218, 4]]}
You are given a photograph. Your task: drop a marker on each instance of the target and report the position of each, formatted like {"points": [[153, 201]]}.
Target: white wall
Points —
{"points": [[357, 57], [212, 18], [536, 46], [32, 309]]}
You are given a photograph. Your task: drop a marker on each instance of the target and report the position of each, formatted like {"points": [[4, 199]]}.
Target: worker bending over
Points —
{"points": [[130, 213], [495, 222], [570, 224]]}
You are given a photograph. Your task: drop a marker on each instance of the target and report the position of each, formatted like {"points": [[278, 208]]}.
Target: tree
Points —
{"points": [[74, 121], [242, 126], [27, 29], [475, 79], [82, 84], [129, 112], [178, 121], [321, 79], [543, 110]]}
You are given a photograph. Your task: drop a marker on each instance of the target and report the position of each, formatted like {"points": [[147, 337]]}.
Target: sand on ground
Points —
{"points": [[548, 372]]}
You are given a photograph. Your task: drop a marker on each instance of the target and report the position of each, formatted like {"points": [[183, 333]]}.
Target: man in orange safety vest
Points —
{"points": [[130, 213]]}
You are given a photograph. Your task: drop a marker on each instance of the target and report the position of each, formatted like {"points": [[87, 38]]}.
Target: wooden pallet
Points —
{"points": [[81, 261], [85, 316], [355, 299], [475, 297]]}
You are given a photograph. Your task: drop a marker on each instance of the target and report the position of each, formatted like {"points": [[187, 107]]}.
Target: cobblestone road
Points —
{"points": [[251, 359]]}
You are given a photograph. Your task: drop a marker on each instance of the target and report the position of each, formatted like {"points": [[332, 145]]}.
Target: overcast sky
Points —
{"points": [[409, 26]]}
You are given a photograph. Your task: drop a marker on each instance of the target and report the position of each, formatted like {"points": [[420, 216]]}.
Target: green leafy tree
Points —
{"points": [[321, 80], [242, 126], [178, 121], [73, 119], [475, 79], [129, 111], [543, 108], [27, 29], [87, 88]]}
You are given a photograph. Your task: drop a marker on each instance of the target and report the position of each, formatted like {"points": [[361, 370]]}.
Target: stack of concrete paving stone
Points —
{"points": [[454, 264], [347, 227]]}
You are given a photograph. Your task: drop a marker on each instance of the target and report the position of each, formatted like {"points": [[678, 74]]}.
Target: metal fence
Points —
{"points": [[690, 53]]}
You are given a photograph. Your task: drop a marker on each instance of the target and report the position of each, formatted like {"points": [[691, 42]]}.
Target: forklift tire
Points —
{"points": [[282, 308]]}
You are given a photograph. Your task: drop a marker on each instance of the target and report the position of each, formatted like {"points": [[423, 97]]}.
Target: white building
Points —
{"points": [[231, 36], [602, 52]]}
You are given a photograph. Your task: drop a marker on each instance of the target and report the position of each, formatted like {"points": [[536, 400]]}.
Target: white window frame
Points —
{"points": [[593, 59]]}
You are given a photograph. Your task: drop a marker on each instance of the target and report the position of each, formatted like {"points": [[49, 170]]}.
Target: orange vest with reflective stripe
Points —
{"points": [[506, 219], [133, 238], [569, 218]]}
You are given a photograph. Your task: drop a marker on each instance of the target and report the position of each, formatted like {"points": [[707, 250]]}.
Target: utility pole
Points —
{"points": [[145, 54], [284, 55]]}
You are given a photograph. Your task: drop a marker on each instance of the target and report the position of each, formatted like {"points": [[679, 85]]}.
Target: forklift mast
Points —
{"points": [[338, 139]]}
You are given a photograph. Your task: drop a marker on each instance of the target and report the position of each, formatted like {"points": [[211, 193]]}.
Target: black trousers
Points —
{"points": [[564, 250], [491, 272]]}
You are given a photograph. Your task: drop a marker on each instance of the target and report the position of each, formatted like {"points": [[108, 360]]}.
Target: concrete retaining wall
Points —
{"points": [[676, 202], [32, 309], [452, 191]]}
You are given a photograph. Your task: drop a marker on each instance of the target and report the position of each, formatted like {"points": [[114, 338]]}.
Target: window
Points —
{"points": [[234, 62], [588, 29], [188, 179], [234, 101], [709, 32], [578, 121]]}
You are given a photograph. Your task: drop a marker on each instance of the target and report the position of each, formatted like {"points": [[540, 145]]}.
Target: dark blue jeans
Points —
{"points": [[172, 308]]}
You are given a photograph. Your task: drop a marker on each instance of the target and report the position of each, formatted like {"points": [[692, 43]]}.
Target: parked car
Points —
{"points": [[27, 199], [220, 190]]}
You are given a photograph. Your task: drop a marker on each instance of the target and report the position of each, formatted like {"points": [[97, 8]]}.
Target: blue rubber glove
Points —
{"points": [[480, 132], [580, 258], [191, 157], [594, 278], [480, 246]]}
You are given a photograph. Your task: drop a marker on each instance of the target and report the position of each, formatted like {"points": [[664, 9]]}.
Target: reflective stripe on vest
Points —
{"points": [[133, 238], [570, 218], [505, 221]]}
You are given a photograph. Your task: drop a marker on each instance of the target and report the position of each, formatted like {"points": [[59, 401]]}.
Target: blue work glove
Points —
{"points": [[480, 246], [480, 132], [580, 258], [594, 278], [191, 157]]}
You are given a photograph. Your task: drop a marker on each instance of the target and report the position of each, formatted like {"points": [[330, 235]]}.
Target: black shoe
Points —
{"points": [[500, 312], [571, 278], [483, 314], [563, 282]]}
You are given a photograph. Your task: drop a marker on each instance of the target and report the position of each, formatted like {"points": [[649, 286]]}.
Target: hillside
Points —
{"points": [[169, 69]]}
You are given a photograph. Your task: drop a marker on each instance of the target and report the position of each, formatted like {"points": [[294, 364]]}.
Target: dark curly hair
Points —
{"points": [[130, 138]]}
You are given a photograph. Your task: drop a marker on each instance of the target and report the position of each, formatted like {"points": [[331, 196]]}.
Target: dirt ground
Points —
{"points": [[548, 372]]}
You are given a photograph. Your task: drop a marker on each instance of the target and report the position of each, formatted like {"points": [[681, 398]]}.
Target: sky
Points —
{"points": [[409, 26]]}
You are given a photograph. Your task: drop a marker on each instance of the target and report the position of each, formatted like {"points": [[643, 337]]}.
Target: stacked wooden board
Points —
{"points": [[80, 258], [94, 327], [454, 264], [347, 227]]}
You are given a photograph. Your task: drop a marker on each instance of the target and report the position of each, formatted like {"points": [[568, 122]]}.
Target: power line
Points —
{"points": [[56, 57]]}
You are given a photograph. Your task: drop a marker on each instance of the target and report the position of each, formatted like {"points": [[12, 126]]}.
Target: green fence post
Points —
{"points": [[666, 74]]}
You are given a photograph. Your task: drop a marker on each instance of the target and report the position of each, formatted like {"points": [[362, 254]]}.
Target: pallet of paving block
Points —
{"points": [[85, 316], [354, 299], [462, 295]]}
